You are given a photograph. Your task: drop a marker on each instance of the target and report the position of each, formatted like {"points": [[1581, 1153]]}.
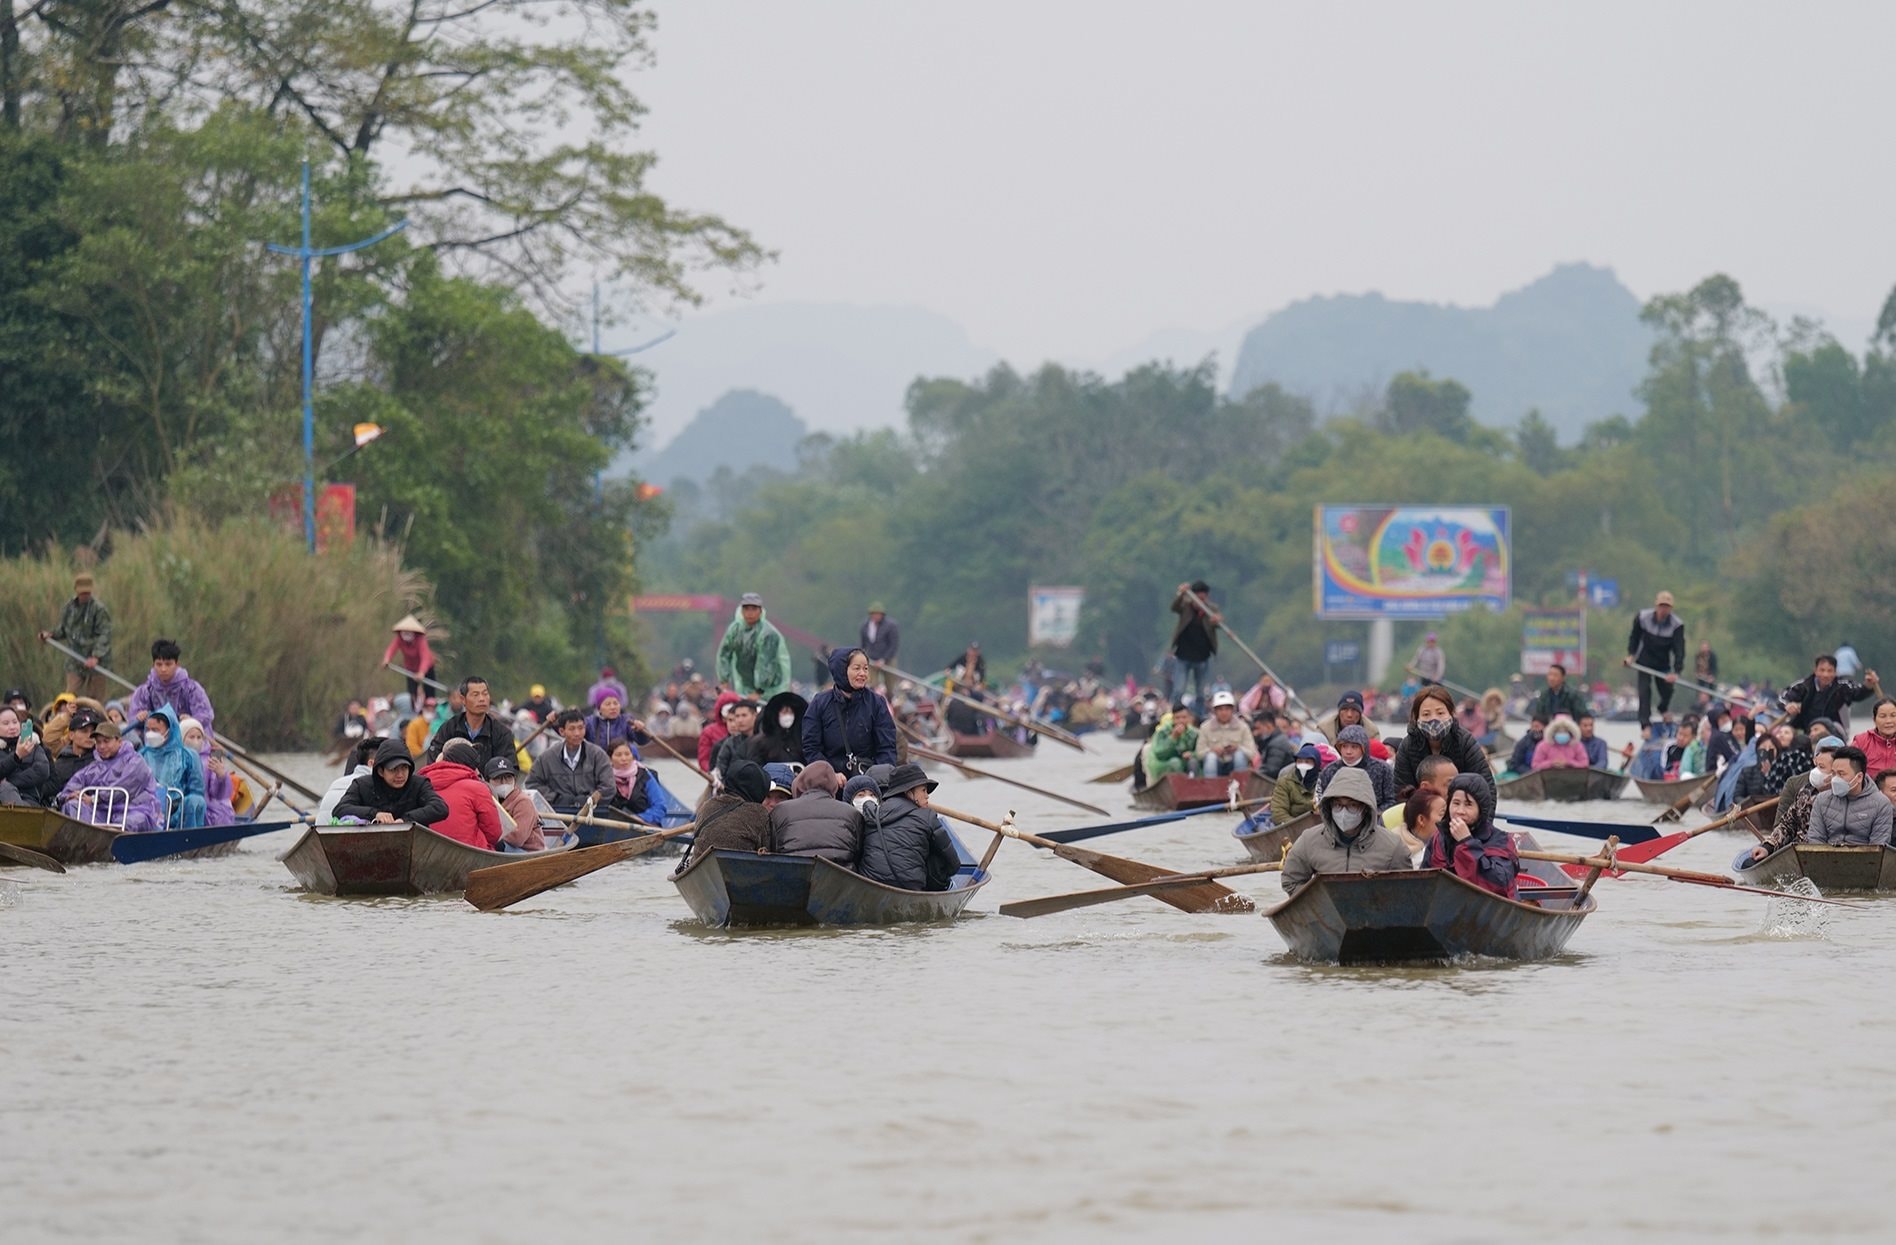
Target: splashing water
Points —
{"points": [[1787, 918], [9, 893]]}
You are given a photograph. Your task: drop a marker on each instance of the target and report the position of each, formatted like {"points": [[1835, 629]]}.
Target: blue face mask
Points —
{"points": [[1563, 738]]}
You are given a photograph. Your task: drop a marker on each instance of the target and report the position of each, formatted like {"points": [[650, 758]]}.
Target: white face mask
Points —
{"points": [[787, 719], [1839, 786], [866, 804], [1347, 819], [1304, 767], [501, 790], [154, 739], [1817, 777]]}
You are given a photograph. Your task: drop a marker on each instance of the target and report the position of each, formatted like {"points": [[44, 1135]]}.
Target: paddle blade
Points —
{"points": [[131, 849], [501, 886], [27, 856], [1602, 830]]}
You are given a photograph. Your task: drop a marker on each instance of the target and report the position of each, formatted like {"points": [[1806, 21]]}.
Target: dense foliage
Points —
{"points": [[150, 345], [1753, 503]]}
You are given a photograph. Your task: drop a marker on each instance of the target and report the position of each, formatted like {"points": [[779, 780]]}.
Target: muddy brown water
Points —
{"points": [[198, 1052]]}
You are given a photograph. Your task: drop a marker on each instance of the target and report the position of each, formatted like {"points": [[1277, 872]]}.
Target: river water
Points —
{"points": [[197, 1052]]}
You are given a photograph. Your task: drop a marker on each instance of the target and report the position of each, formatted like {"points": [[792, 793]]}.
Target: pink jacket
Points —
{"points": [[1548, 753]]}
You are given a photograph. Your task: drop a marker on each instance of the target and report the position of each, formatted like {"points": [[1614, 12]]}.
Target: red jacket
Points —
{"points": [[473, 817], [1879, 752], [715, 732]]}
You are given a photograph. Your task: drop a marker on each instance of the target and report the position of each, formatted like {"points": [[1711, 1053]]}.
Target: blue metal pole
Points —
{"points": [[309, 383]]}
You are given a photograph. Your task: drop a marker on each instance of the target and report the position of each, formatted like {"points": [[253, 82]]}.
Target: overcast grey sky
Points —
{"points": [[1067, 178]]}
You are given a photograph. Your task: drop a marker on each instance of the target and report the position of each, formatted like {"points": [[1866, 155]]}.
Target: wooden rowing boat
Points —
{"points": [[1866, 870], [401, 859], [73, 842], [1431, 914], [726, 888], [1176, 791], [1671, 791], [994, 746], [1564, 785], [1269, 843]]}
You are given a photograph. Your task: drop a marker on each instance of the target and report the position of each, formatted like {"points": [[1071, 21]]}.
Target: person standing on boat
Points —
{"points": [[1225, 744], [1194, 642], [476, 723], [847, 724], [113, 765], [1852, 813], [573, 771], [1559, 697], [85, 626], [882, 640], [1430, 663], [753, 659], [1471, 844], [1849, 665], [1705, 665], [1658, 643], [392, 792], [1349, 839], [904, 843], [1352, 752], [473, 816], [171, 684], [410, 646], [1434, 731], [1822, 695]]}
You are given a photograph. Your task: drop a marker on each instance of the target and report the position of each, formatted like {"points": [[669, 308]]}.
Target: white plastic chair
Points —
{"points": [[174, 799], [110, 806]]}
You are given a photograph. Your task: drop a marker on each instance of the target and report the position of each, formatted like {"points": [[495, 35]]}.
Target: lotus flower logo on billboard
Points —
{"points": [[1411, 561]]}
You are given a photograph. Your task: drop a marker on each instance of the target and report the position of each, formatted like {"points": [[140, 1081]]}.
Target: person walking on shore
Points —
{"points": [[85, 626], [1658, 643]]}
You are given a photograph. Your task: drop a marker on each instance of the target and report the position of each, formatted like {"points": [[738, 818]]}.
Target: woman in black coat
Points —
{"points": [[392, 791], [1433, 731]]}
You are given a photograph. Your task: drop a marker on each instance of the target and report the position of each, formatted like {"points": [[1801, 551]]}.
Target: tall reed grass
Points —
{"points": [[279, 639]]}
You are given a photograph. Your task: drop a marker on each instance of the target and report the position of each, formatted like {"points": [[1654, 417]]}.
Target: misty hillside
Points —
{"points": [[741, 430], [1570, 344]]}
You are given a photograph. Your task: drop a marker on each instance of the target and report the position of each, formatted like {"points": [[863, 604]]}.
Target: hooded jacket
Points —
{"points": [[1487, 857], [183, 693], [770, 743], [127, 770], [1294, 795], [905, 845], [1549, 753], [219, 790], [841, 723], [1458, 746], [816, 823], [174, 763], [368, 795], [734, 820], [473, 816], [754, 660], [715, 731], [1859, 820], [1325, 849]]}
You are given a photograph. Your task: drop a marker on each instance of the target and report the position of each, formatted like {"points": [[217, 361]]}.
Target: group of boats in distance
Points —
{"points": [[1339, 918]]}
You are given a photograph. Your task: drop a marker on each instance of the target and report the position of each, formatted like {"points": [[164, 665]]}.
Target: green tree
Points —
{"points": [[1538, 444]]}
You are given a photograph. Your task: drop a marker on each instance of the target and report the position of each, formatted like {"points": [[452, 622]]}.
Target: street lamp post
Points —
{"points": [[306, 253]]}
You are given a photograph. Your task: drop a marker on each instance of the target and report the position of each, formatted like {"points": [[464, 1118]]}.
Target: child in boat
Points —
{"points": [[1470, 843]]}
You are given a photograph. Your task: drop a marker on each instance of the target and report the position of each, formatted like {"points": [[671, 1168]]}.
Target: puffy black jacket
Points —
{"points": [[415, 801], [28, 776], [843, 724], [906, 845], [69, 762], [1458, 746], [773, 743], [817, 824]]}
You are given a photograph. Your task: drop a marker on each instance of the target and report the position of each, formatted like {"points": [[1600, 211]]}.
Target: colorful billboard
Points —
{"points": [[1554, 637], [1411, 561], [1053, 615]]}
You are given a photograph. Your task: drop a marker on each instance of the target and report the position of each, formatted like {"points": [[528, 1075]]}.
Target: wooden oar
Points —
{"points": [[1290, 693], [994, 711], [1685, 801], [1116, 775], [1156, 819], [1050, 904], [1735, 814], [1202, 897], [1621, 865], [27, 856], [674, 755], [422, 679], [235, 750], [972, 772], [132, 849], [1682, 681], [501, 886]]}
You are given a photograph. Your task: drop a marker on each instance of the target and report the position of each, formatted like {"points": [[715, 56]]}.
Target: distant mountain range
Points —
{"points": [[1569, 344], [741, 430]]}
